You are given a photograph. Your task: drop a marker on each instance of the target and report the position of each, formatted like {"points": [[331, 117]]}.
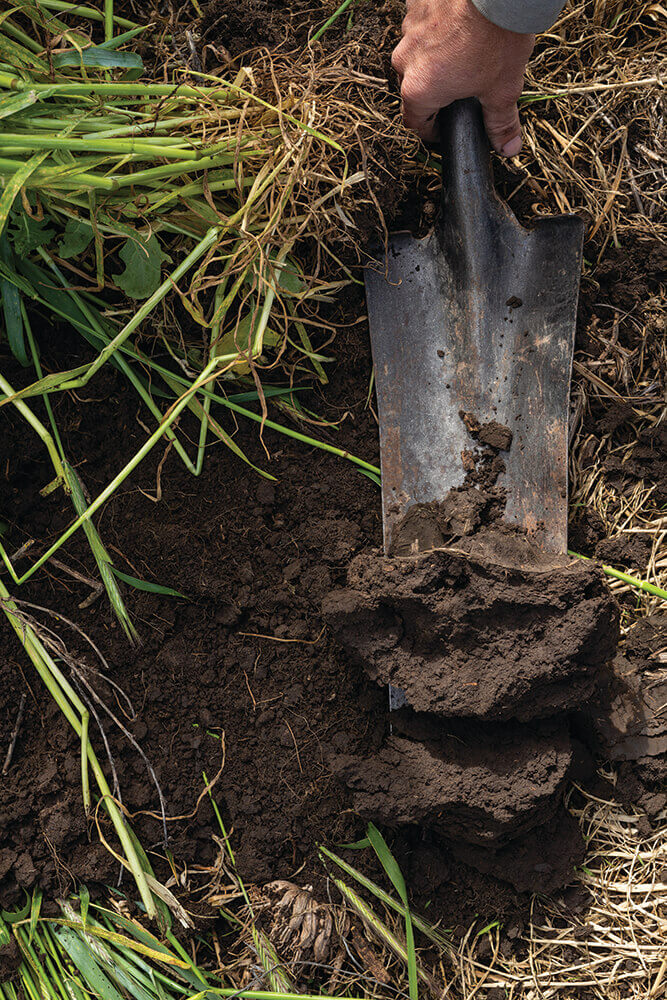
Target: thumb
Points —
{"points": [[503, 127]]}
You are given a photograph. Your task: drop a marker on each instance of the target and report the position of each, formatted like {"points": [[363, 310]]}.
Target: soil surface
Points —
{"points": [[246, 672]]}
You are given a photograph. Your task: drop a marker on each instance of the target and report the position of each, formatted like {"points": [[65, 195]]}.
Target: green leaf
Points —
{"points": [[390, 865], [10, 105], [84, 961], [143, 260], [151, 588], [17, 916], [76, 237], [16, 182], [11, 307], [489, 927], [27, 234], [289, 280], [97, 57], [127, 36], [372, 476], [35, 907], [84, 897], [388, 861]]}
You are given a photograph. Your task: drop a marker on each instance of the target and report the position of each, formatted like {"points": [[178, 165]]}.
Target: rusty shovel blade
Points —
{"points": [[479, 316]]}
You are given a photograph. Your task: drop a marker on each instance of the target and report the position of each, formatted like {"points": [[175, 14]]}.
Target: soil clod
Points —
{"points": [[490, 629]]}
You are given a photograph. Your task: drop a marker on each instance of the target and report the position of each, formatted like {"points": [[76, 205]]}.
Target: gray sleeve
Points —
{"points": [[524, 16]]}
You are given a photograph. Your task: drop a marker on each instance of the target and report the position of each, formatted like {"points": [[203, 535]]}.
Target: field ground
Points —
{"points": [[242, 682]]}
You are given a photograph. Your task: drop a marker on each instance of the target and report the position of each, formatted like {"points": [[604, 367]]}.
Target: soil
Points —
{"points": [[498, 632], [247, 664], [630, 722]]}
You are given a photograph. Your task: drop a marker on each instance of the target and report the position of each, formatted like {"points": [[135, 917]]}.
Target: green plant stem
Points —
{"points": [[331, 20], [90, 13], [108, 20], [617, 574], [85, 779], [90, 144], [181, 92], [21, 36], [54, 177], [67, 700], [152, 174], [322, 445]]}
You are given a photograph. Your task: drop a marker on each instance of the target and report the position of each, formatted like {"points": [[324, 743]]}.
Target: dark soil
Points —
{"points": [[630, 721], [247, 658], [499, 632]]}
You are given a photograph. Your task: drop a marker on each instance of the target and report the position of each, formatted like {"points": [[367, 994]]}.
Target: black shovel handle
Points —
{"points": [[470, 204]]}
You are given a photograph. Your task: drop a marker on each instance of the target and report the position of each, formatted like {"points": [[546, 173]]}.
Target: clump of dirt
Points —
{"points": [[482, 788], [629, 720], [494, 643], [491, 629]]}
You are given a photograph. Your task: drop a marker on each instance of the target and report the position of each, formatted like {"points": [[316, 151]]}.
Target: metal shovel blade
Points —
{"points": [[479, 316]]}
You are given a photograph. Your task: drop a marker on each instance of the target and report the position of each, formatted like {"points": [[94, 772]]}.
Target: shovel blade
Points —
{"points": [[478, 317]]}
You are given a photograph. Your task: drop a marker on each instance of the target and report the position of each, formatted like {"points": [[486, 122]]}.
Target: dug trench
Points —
{"points": [[469, 789]]}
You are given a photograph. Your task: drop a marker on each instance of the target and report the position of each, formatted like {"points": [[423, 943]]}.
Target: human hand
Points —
{"points": [[450, 51]]}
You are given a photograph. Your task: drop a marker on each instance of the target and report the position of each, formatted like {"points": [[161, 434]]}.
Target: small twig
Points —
{"points": [[15, 736]]}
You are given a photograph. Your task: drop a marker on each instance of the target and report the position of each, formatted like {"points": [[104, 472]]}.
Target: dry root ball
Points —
{"points": [[499, 631]]}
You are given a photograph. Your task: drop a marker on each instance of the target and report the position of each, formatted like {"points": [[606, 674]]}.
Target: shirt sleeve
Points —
{"points": [[523, 16]]}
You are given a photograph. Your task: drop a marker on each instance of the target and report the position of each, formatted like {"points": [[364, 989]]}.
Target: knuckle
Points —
{"points": [[397, 61], [414, 89]]}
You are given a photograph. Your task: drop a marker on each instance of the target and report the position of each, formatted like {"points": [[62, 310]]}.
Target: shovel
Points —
{"points": [[479, 317]]}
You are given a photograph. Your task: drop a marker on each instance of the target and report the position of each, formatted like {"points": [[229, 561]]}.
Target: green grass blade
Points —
{"points": [[35, 907], [422, 925], [16, 182], [377, 926], [82, 957], [391, 867], [11, 307], [146, 585]]}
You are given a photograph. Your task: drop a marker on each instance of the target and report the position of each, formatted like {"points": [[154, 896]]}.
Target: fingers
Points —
{"points": [[421, 99], [503, 126], [418, 111]]}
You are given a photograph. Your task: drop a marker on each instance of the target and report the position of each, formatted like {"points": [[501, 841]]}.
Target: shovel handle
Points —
{"points": [[466, 153], [469, 199]]}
